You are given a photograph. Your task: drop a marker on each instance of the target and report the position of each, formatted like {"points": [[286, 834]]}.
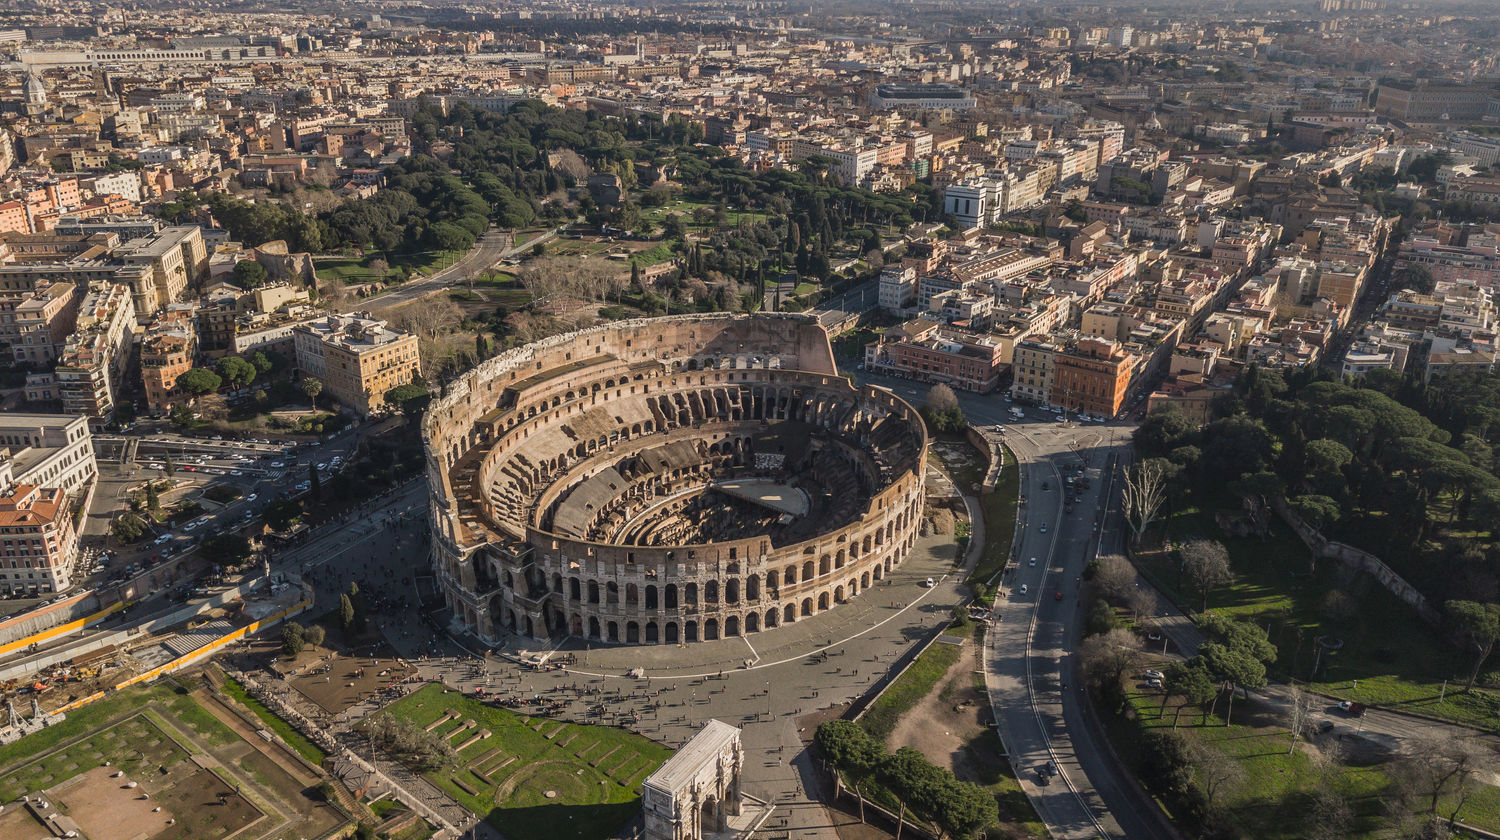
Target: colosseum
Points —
{"points": [[667, 480]]}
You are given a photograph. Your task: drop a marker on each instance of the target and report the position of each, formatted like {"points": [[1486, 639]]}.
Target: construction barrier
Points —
{"points": [[63, 629]]}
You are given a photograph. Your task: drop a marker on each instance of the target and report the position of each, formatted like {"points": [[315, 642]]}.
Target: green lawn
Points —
{"points": [[1398, 660], [685, 209], [132, 742], [294, 739], [659, 253], [909, 688], [595, 771], [1269, 802], [357, 269]]}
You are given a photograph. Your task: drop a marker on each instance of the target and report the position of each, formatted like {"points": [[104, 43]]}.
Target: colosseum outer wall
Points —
{"points": [[536, 582]]}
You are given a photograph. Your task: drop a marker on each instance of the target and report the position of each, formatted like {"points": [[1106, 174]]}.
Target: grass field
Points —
{"points": [[358, 270], [155, 736], [685, 209], [1398, 660], [659, 253], [294, 739], [911, 686], [1269, 801], [593, 772]]}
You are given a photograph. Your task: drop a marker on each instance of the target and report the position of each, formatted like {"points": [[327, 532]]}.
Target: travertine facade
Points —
{"points": [[573, 482]]}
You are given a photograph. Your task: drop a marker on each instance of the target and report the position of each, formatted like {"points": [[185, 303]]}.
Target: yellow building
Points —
{"points": [[357, 358]]}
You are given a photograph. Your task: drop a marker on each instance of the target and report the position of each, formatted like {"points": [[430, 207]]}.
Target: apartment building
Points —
{"points": [[167, 352], [46, 466], [171, 258], [1032, 363], [92, 364], [927, 352], [1093, 376], [358, 358]]}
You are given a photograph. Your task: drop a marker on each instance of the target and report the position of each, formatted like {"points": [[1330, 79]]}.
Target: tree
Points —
{"points": [[1193, 683], [237, 371], [199, 381], [849, 747], [227, 549], [264, 363], [1206, 563], [1434, 769], [1145, 490], [942, 411], [314, 483], [1216, 772], [292, 640], [128, 527], [282, 514], [1237, 654], [1114, 576], [1299, 708], [312, 387], [249, 274], [411, 397], [153, 502], [346, 613], [314, 635], [1479, 625], [1107, 657], [166, 465]]}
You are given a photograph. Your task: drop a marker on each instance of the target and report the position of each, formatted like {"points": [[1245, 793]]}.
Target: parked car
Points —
{"points": [[1025, 589]]}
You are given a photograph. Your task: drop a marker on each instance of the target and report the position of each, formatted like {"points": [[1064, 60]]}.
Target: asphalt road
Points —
{"points": [[491, 248], [1029, 655]]}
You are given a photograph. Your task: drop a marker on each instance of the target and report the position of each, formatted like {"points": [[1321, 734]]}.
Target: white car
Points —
{"points": [[252, 497], [1025, 589], [1033, 561], [1044, 527], [276, 465], [236, 472], [928, 584], [1154, 674], [163, 539], [153, 466]]}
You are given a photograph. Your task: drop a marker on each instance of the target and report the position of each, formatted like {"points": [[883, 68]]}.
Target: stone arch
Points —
{"points": [[807, 607], [838, 595], [771, 615], [690, 593], [710, 592], [791, 613], [807, 571], [732, 591], [710, 629], [752, 622], [752, 588], [822, 601], [593, 591], [632, 632], [614, 631], [690, 631], [651, 601], [653, 634], [825, 565], [671, 596], [593, 627], [671, 634]]}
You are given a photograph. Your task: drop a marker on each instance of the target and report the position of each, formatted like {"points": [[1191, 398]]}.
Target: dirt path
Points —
{"points": [[934, 727]]}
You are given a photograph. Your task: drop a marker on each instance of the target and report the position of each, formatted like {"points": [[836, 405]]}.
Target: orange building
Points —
{"points": [[167, 352], [37, 541], [1093, 376]]}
